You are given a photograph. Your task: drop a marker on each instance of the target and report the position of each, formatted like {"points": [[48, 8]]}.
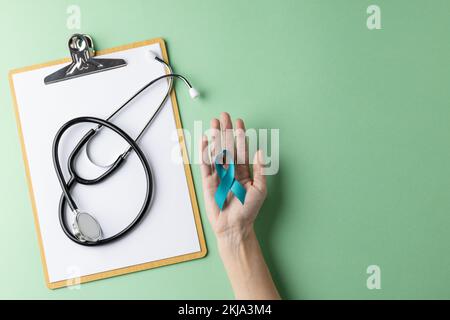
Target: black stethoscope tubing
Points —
{"points": [[66, 197], [67, 186]]}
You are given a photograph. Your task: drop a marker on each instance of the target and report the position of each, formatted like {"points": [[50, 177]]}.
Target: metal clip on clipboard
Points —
{"points": [[82, 51]]}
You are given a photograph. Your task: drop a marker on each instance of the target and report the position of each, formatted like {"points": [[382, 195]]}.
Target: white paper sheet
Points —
{"points": [[169, 228]]}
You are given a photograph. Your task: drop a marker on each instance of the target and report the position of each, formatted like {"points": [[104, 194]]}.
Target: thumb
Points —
{"points": [[259, 179]]}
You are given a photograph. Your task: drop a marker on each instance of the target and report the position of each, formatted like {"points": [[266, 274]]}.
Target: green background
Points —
{"points": [[364, 138]]}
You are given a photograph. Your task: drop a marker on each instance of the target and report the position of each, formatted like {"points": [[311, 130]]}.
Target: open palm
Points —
{"points": [[235, 218]]}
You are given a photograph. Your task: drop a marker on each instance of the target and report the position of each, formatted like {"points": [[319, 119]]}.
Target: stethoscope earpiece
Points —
{"points": [[194, 93]]}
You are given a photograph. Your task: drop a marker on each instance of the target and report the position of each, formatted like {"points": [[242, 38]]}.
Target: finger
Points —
{"points": [[259, 179], [215, 138], [242, 167], [227, 134], [205, 166], [241, 145]]}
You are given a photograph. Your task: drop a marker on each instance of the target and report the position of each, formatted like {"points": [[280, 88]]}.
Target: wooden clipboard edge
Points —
{"points": [[194, 203], [28, 176]]}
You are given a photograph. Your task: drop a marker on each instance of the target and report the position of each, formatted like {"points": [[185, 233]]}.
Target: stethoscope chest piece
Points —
{"points": [[86, 228]]}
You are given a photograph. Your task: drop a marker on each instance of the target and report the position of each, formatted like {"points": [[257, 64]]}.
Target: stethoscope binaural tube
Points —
{"points": [[125, 154]]}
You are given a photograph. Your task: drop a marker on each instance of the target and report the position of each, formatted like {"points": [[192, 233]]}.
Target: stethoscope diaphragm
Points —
{"points": [[86, 227]]}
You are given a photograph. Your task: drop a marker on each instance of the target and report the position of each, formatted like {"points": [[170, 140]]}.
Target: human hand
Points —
{"points": [[238, 246], [235, 222]]}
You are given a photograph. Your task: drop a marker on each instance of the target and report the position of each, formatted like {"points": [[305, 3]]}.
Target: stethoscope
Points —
{"points": [[85, 229]]}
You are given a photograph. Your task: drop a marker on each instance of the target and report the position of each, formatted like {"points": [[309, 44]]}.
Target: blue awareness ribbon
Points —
{"points": [[228, 181]]}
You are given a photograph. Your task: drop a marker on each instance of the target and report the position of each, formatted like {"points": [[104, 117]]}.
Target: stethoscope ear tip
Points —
{"points": [[152, 55], [193, 93]]}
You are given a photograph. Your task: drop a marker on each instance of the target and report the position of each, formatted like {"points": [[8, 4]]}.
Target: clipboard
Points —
{"points": [[42, 237]]}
